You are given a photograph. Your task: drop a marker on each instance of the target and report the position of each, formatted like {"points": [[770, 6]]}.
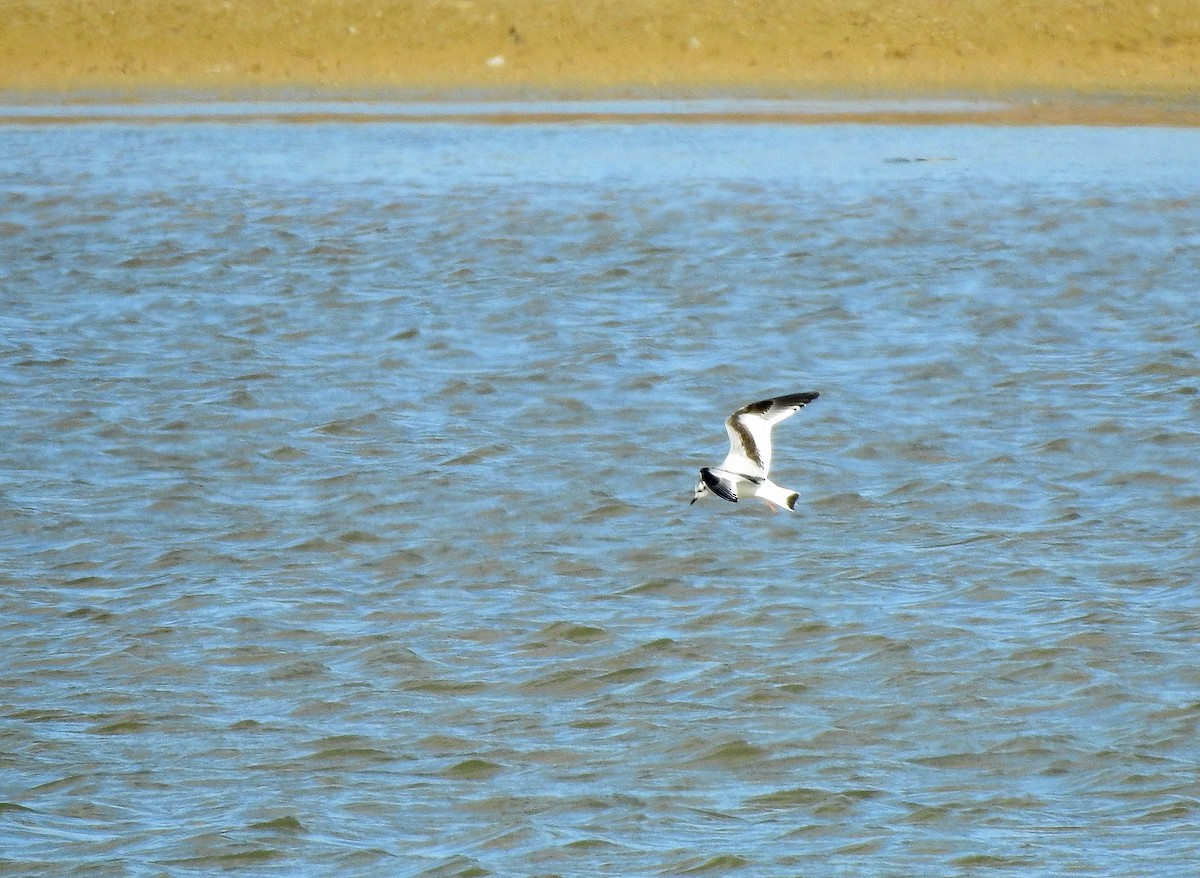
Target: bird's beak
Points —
{"points": [[693, 501]]}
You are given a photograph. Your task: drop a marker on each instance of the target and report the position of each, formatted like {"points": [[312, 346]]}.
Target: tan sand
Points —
{"points": [[556, 48]]}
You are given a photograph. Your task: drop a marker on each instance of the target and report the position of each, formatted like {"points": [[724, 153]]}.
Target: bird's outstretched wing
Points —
{"points": [[723, 488], [749, 430]]}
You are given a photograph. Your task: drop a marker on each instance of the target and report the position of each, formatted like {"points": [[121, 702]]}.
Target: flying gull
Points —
{"points": [[743, 473]]}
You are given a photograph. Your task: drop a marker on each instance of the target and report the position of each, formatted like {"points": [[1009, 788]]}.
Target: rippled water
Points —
{"points": [[343, 502]]}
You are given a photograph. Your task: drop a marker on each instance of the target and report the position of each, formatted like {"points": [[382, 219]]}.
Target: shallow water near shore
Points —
{"points": [[344, 519]]}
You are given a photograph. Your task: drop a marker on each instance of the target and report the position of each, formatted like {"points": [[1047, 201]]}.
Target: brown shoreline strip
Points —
{"points": [[1109, 115], [770, 47]]}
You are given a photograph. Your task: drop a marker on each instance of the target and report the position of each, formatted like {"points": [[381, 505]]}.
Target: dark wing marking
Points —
{"points": [[766, 407], [745, 438], [718, 486]]}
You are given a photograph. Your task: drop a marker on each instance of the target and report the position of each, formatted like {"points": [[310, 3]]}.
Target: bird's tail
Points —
{"points": [[780, 496]]}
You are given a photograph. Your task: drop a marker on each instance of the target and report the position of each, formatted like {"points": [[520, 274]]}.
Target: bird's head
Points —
{"points": [[702, 490]]}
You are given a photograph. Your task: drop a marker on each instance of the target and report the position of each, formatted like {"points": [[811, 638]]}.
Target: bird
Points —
{"points": [[743, 473]]}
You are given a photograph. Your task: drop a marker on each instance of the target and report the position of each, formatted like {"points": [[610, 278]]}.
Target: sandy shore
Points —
{"points": [[1055, 48]]}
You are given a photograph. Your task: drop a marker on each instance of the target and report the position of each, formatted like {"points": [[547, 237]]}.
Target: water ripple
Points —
{"points": [[344, 507]]}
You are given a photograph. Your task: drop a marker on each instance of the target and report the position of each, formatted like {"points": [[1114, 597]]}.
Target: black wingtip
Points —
{"points": [[799, 400]]}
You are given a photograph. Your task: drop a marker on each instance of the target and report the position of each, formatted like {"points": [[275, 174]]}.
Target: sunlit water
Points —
{"points": [[343, 500]]}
